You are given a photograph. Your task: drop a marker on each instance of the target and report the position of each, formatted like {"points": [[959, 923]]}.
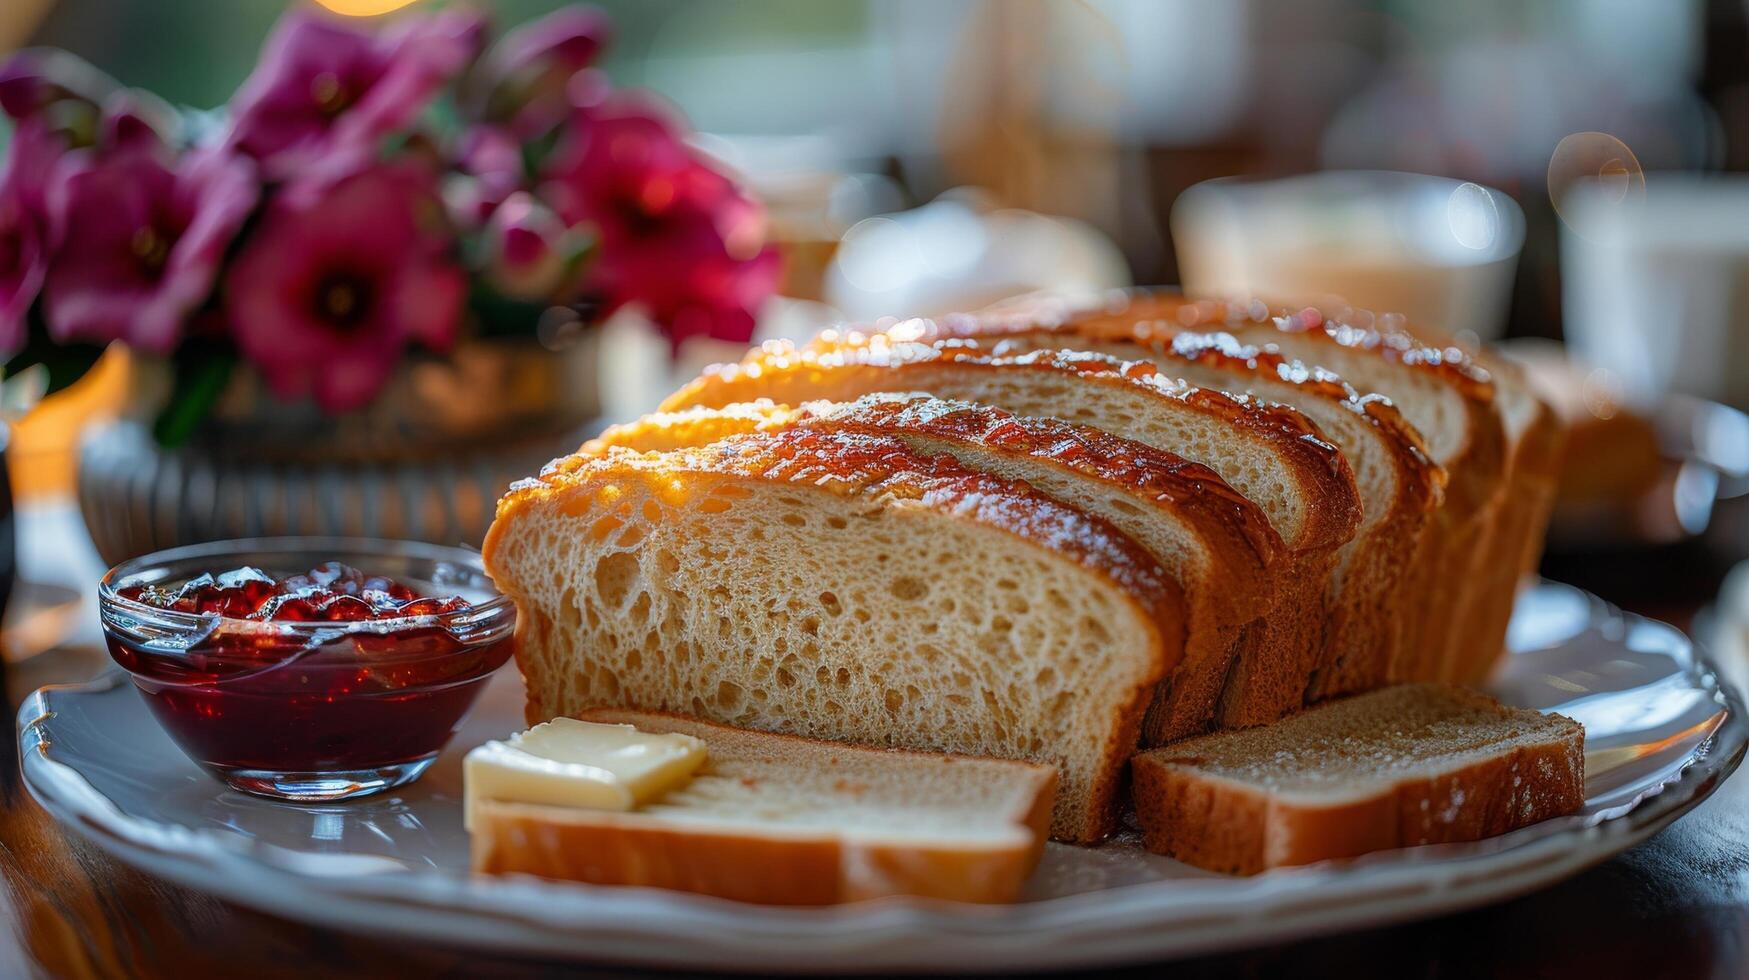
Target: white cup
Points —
{"points": [[1441, 252], [1655, 290]]}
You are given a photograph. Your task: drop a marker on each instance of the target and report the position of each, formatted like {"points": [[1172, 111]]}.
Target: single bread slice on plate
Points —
{"points": [[1398, 767], [782, 820], [1272, 454], [841, 586], [1217, 545]]}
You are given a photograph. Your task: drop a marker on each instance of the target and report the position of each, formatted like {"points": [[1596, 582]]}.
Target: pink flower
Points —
{"points": [[326, 93], [23, 227], [137, 244], [34, 79], [331, 287], [675, 235], [489, 169], [132, 122], [526, 74], [527, 256]]}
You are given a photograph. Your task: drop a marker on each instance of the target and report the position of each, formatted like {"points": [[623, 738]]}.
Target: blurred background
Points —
{"points": [[920, 156]]}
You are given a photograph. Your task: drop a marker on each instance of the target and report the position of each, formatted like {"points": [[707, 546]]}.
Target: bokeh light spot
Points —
{"points": [[363, 8], [1596, 158], [1473, 217]]}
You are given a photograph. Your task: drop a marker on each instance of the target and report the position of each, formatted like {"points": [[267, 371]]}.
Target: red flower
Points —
{"points": [[332, 287], [675, 236]]}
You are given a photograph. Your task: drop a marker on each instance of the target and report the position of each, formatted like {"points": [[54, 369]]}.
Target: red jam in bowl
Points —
{"points": [[317, 685]]}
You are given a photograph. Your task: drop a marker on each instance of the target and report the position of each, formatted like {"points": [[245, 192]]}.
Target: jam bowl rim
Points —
{"points": [[481, 622]]}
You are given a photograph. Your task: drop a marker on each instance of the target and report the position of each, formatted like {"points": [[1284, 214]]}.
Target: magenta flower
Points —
{"points": [[130, 122], [526, 74], [137, 244], [36, 78], [489, 169], [23, 227], [327, 93], [527, 255], [331, 288], [674, 235]]}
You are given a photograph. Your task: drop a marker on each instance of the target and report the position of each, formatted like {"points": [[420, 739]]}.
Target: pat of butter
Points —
{"points": [[566, 762]]}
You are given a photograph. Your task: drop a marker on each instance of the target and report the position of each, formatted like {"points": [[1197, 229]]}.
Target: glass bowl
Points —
{"points": [[308, 710]]}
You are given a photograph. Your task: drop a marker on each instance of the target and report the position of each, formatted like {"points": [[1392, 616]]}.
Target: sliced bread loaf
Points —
{"points": [[1272, 454], [1400, 486], [1216, 544], [1448, 399], [845, 587], [1397, 767], [782, 820]]}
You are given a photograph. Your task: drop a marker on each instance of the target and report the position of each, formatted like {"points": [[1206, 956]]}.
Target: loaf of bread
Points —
{"points": [[841, 586], [1398, 767], [1048, 531], [1216, 544], [1272, 454], [781, 820]]}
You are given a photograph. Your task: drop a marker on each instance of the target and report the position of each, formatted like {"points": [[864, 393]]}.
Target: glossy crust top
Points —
{"points": [[827, 366], [881, 471], [1422, 479], [1164, 478], [1149, 315]]}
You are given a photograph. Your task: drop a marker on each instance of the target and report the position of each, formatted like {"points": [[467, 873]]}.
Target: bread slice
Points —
{"points": [[1400, 485], [1216, 544], [1397, 767], [1534, 445], [1448, 399], [1535, 441], [782, 820], [1272, 454], [843, 587]]}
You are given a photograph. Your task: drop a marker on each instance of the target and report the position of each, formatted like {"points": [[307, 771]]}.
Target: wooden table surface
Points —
{"points": [[1677, 906]]}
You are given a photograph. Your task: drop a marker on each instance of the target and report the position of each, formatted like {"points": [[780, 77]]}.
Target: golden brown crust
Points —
{"points": [[1421, 478], [1448, 569], [837, 369], [1232, 827], [1163, 477]]}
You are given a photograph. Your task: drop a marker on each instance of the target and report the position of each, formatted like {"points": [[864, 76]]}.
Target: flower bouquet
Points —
{"points": [[380, 204], [370, 192]]}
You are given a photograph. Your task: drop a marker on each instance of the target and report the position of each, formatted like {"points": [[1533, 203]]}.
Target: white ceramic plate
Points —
{"points": [[1661, 735]]}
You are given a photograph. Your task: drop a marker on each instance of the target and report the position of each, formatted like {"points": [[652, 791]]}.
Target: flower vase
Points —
{"points": [[426, 460]]}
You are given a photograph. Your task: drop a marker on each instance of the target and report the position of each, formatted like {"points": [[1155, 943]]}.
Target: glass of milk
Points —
{"points": [[1441, 252]]}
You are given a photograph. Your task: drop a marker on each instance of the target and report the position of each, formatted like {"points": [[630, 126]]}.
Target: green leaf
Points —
{"points": [[63, 363], [199, 377]]}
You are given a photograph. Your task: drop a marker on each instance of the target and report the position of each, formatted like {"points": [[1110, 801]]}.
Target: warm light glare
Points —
{"points": [[1599, 158], [363, 8]]}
